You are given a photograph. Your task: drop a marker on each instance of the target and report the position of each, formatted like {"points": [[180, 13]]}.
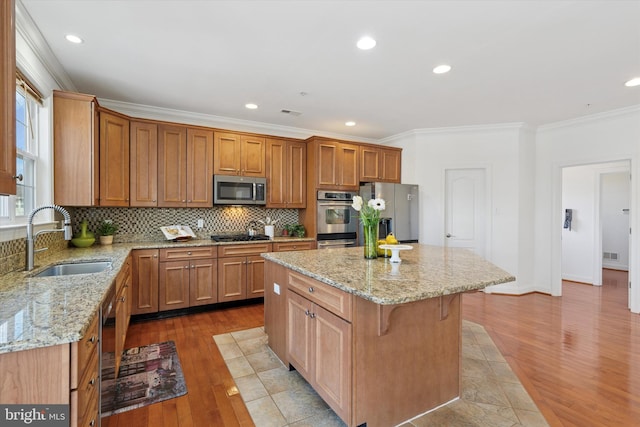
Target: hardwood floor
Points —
{"points": [[578, 356]]}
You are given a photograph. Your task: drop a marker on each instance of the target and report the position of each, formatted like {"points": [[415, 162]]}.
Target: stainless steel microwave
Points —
{"points": [[239, 190]]}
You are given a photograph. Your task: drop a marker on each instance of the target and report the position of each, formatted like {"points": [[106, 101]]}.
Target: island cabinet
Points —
{"points": [[144, 267], [286, 167], [239, 154], [333, 164], [185, 167], [143, 164], [76, 151], [114, 159], [67, 374], [241, 271], [187, 277], [379, 164], [7, 98]]}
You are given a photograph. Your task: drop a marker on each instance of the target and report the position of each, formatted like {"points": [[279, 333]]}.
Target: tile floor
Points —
{"points": [[491, 393]]}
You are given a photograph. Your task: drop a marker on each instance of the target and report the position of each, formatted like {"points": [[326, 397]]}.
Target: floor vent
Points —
{"points": [[610, 255]]}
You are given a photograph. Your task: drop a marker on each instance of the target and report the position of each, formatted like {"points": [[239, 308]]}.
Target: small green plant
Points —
{"points": [[296, 230], [107, 228]]}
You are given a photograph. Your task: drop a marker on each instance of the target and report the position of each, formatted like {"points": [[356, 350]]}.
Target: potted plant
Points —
{"points": [[297, 231], [106, 230]]}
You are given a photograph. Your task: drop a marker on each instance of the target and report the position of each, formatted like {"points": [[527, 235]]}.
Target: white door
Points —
{"points": [[465, 209]]}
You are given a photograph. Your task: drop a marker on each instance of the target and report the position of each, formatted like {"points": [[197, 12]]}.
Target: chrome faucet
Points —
{"points": [[66, 229]]}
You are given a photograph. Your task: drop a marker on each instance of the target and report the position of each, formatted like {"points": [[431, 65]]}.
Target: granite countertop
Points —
{"points": [[43, 311], [425, 272]]}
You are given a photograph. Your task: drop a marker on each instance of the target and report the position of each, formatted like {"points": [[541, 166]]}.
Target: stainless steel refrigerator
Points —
{"points": [[401, 210]]}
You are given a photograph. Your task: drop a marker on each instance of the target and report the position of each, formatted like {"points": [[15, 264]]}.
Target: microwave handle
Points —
{"points": [[254, 191]]}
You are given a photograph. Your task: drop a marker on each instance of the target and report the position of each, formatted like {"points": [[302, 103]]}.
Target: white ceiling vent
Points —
{"points": [[291, 112]]}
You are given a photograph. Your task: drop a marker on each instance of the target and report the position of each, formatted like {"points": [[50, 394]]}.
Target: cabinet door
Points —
{"points": [[232, 279], [120, 332], [172, 166], [7, 98], [76, 169], [114, 160], [296, 179], [327, 162], [332, 360], [203, 279], [145, 281], [252, 156], [255, 277], [173, 278], [299, 340], [276, 167], [143, 164], [348, 167], [390, 165], [227, 157], [369, 164], [199, 168]]}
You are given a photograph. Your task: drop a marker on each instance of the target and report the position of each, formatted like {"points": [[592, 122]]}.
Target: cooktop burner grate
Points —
{"points": [[238, 237]]}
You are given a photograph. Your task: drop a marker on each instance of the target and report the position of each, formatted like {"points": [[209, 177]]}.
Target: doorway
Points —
{"points": [[465, 209], [595, 231]]}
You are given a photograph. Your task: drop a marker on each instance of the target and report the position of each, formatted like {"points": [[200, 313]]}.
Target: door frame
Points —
{"points": [[488, 199]]}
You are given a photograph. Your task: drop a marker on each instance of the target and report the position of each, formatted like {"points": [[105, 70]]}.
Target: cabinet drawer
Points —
{"points": [[244, 250], [88, 386], [84, 417], [188, 253], [82, 351], [293, 246], [328, 297]]}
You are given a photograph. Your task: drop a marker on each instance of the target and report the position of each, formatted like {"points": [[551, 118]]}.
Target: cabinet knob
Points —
{"points": [[124, 299], [154, 201], [92, 381], [155, 256], [312, 315], [93, 339], [184, 201], [92, 423], [307, 312], [311, 289], [186, 266], [188, 253], [193, 266], [189, 201]]}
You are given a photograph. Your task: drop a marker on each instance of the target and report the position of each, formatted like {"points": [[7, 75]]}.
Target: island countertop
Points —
{"points": [[425, 272]]}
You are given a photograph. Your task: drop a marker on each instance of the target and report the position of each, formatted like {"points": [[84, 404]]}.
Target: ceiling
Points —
{"points": [[535, 62]]}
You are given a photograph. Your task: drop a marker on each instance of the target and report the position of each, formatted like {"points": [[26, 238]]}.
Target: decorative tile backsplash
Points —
{"points": [[143, 225]]}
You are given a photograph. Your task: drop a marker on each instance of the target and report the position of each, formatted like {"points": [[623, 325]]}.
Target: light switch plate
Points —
{"points": [[276, 288], [200, 223]]}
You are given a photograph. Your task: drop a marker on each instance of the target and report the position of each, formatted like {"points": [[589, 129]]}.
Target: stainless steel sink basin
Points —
{"points": [[74, 268]]}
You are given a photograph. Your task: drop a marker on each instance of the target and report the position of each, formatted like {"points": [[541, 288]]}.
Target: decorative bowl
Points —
{"points": [[83, 242]]}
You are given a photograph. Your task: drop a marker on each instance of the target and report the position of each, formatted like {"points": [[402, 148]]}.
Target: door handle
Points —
{"points": [[449, 235]]}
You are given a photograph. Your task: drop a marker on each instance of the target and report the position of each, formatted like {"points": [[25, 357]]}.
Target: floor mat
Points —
{"points": [[148, 374]]}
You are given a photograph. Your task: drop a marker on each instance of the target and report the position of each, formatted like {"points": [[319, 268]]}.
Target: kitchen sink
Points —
{"points": [[74, 268]]}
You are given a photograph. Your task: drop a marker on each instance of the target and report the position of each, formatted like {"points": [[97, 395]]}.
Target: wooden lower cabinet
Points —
{"points": [[62, 374], [241, 271], [188, 280], [294, 246], [123, 309], [144, 281], [319, 347]]}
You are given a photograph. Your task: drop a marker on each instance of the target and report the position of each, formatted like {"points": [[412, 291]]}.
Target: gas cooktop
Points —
{"points": [[238, 237]]}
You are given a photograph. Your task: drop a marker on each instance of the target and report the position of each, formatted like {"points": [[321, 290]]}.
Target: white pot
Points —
{"points": [[106, 240], [269, 231]]}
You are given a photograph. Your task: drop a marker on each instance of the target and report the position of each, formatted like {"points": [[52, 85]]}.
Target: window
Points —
{"points": [[14, 209]]}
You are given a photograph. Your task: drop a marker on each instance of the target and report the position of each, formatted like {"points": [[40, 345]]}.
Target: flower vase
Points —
{"points": [[370, 241]]}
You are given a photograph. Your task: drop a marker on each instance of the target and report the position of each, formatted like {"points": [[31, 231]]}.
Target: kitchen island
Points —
{"points": [[380, 342]]}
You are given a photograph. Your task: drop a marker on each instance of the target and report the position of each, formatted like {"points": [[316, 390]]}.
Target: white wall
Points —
{"points": [[614, 198], [600, 138], [501, 151]]}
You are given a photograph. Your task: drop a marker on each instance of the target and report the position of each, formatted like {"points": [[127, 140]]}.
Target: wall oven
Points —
{"points": [[337, 220], [239, 190]]}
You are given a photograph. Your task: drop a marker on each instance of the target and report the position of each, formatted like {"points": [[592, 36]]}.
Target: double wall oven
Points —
{"points": [[337, 220]]}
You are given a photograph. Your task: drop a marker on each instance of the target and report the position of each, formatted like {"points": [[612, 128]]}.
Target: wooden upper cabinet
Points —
{"points": [[114, 160], [76, 165], [7, 98], [143, 164], [172, 166], [199, 168], [286, 167], [379, 164], [238, 154], [336, 166]]}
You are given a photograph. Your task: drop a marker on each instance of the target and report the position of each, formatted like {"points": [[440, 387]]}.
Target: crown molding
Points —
{"points": [[30, 33], [590, 118], [200, 119], [457, 130]]}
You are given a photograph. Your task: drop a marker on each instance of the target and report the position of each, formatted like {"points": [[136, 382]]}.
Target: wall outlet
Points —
{"points": [[200, 223], [276, 288]]}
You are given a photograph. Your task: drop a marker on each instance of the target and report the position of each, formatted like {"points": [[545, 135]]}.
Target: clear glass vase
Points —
{"points": [[370, 241]]}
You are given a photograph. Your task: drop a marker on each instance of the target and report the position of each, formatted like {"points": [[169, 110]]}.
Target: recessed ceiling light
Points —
{"points": [[441, 69], [350, 123], [73, 38], [251, 106], [366, 43], [633, 82]]}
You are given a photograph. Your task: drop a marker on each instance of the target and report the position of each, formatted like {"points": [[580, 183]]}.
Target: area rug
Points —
{"points": [[148, 374]]}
